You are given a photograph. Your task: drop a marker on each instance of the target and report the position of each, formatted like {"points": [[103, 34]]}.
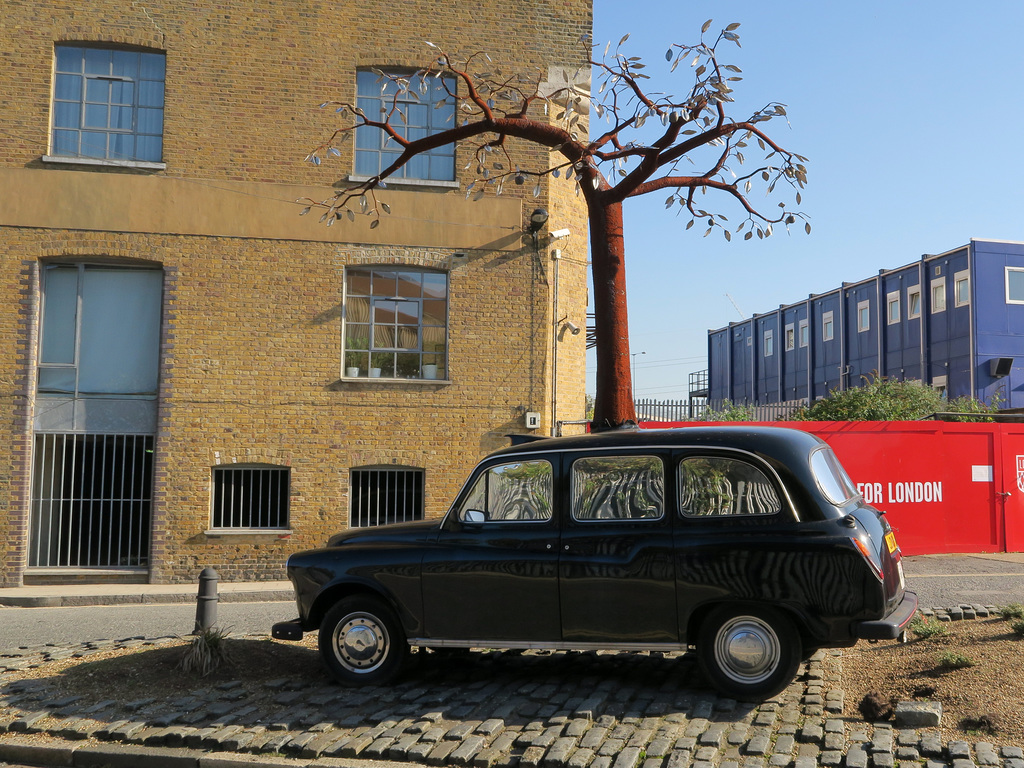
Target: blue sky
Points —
{"points": [[910, 114]]}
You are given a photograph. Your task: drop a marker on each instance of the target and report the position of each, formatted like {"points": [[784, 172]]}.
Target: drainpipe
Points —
{"points": [[556, 257]]}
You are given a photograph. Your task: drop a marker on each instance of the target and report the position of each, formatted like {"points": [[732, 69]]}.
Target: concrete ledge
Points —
{"points": [[50, 754], [131, 594]]}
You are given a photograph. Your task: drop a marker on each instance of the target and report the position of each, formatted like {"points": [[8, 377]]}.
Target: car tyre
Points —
{"points": [[362, 642], [749, 653]]}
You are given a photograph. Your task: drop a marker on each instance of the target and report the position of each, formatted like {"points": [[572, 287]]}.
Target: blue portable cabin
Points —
{"points": [[954, 320]]}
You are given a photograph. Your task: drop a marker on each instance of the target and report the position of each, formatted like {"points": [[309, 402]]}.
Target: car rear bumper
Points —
{"points": [[287, 630], [890, 627]]}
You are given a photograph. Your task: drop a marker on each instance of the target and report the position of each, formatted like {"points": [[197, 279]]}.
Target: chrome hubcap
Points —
{"points": [[360, 642], [747, 649]]}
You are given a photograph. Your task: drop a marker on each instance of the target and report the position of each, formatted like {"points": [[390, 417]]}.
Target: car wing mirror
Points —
{"points": [[474, 516]]}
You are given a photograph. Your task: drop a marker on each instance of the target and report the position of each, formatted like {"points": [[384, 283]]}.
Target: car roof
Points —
{"points": [[778, 441]]}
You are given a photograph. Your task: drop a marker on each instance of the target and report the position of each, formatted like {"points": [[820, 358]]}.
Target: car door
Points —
{"points": [[616, 578], [493, 574]]}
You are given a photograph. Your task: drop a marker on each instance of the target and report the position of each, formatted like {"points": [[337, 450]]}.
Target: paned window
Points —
{"points": [[618, 488], [108, 104], [518, 492], [416, 107], [892, 304], [101, 331], [790, 337], [1015, 285], [769, 343], [914, 302], [938, 295], [828, 327], [250, 497], [396, 324], [805, 333], [961, 289], [384, 495], [714, 486], [863, 316]]}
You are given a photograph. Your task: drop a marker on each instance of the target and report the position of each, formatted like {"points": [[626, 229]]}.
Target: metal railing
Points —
{"points": [[91, 500]]}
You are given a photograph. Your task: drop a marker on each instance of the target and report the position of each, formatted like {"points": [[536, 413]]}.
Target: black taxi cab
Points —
{"points": [[748, 544]]}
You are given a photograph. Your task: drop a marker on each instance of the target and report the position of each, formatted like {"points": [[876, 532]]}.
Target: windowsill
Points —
{"points": [[382, 380], [277, 533], [139, 164], [393, 182]]}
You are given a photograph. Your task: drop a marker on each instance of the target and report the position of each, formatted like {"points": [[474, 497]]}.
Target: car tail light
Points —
{"points": [[876, 567]]}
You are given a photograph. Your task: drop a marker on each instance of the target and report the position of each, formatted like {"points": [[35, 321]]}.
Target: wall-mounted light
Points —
{"points": [[538, 219]]}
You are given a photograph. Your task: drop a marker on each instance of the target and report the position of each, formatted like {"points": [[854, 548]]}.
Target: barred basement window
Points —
{"points": [[385, 495], [250, 497]]}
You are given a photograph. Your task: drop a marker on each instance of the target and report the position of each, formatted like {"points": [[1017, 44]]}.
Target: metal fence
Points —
{"points": [[91, 496], [699, 409]]}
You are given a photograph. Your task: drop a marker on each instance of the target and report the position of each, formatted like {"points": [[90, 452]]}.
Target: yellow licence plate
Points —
{"points": [[890, 541]]}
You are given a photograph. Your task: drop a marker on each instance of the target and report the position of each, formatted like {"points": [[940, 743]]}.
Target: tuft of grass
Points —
{"points": [[1017, 625], [925, 628], [953, 660], [207, 651], [1012, 611]]}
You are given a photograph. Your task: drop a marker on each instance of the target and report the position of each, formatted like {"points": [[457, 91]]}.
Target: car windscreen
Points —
{"points": [[831, 477]]}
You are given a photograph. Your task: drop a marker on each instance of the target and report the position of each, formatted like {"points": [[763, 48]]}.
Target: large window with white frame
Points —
{"points": [[396, 323], [892, 307], [828, 327], [108, 104], [790, 337], [805, 333], [961, 288], [1015, 285], [415, 107], [938, 295], [769, 343], [914, 302], [863, 316]]}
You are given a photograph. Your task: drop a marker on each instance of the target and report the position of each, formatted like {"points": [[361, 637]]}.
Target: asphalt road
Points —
{"points": [[38, 626], [939, 580]]}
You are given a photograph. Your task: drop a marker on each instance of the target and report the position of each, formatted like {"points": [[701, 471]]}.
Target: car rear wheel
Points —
{"points": [[749, 653], [362, 642]]}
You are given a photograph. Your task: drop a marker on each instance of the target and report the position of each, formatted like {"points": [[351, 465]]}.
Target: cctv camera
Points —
{"points": [[558, 234], [573, 328]]}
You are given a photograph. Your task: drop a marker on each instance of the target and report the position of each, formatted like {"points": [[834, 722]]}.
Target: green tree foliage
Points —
{"points": [[882, 399], [730, 412]]}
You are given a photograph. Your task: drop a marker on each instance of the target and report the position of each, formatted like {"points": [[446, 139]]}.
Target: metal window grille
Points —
{"points": [[382, 496], [250, 497], [91, 500]]}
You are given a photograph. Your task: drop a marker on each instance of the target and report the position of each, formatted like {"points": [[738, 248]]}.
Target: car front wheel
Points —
{"points": [[362, 642], [749, 653]]}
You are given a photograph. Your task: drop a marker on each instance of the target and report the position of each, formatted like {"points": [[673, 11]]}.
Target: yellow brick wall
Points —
{"points": [[252, 344]]}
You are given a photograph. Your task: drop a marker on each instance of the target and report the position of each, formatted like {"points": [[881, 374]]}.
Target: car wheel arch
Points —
{"points": [[795, 617], [333, 594]]}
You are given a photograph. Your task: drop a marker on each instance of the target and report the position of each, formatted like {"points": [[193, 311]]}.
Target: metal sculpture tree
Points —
{"points": [[621, 161]]}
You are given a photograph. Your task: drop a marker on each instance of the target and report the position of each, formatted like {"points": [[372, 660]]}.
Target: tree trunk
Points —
{"points": [[613, 401]]}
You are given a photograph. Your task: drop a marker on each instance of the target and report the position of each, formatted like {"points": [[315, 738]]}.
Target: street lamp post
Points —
{"points": [[633, 382]]}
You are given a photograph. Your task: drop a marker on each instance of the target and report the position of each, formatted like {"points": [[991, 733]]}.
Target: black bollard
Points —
{"points": [[206, 601]]}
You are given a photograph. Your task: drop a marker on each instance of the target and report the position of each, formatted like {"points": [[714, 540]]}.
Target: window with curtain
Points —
{"points": [[108, 103], [396, 323]]}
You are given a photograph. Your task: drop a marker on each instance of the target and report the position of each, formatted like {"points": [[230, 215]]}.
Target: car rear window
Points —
{"points": [[618, 488], [717, 486], [831, 477]]}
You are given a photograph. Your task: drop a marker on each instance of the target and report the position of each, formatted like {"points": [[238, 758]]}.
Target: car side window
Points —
{"points": [[515, 492], [716, 486], [618, 488]]}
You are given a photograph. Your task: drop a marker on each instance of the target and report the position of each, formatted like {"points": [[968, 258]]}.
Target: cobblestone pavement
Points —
{"points": [[494, 710]]}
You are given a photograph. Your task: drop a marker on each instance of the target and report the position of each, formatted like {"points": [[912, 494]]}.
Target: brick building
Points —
{"points": [[194, 375]]}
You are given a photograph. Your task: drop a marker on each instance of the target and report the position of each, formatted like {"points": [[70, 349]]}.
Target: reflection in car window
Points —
{"points": [[831, 477], [515, 492], [618, 488], [714, 486]]}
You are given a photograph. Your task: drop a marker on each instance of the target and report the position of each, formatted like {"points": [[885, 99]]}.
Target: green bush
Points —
{"points": [[882, 399], [1012, 611], [925, 628], [1017, 625], [730, 412], [953, 660]]}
